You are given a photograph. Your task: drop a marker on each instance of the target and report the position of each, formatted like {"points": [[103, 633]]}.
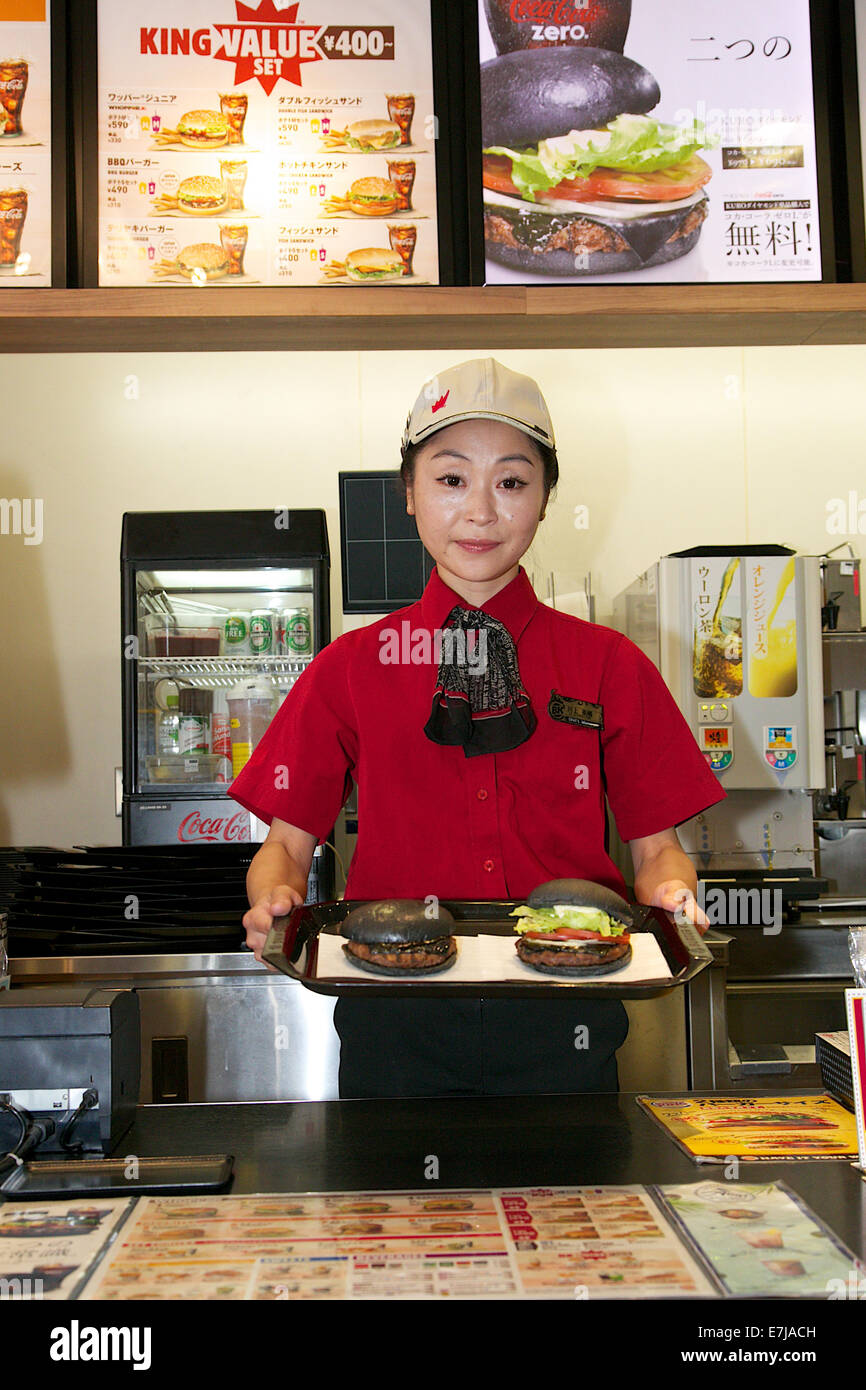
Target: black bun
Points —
{"points": [[580, 892], [535, 95], [530, 239], [399, 920]]}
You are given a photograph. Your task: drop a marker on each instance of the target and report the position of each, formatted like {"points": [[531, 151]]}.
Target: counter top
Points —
{"points": [[366, 1145]]}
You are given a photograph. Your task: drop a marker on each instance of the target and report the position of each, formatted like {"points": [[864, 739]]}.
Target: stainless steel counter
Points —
{"points": [[214, 1027], [221, 1027]]}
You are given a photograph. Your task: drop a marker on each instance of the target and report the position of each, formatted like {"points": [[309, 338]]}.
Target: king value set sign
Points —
{"points": [[269, 143], [644, 143]]}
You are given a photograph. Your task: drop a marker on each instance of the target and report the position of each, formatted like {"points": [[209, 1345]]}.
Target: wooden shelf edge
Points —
{"points": [[383, 318]]}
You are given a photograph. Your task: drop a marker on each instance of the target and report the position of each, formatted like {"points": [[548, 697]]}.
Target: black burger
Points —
{"points": [[398, 938], [573, 927], [578, 178]]}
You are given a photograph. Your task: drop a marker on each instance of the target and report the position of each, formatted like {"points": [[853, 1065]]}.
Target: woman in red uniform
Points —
{"points": [[476, 787]]}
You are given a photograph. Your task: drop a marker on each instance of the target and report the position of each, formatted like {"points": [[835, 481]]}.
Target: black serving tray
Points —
{"points": [[292, 947], [106, 1177]]}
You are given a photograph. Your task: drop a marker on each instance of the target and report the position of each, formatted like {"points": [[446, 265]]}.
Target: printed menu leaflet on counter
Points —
{"points": [[687, 1240], [524, 1243]]}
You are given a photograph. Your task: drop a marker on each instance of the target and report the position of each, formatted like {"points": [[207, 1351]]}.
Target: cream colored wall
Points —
{"points": [[666, 448]]}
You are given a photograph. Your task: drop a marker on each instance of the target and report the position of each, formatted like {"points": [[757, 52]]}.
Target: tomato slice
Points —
{"points": [[572, 934], [667, 185]]}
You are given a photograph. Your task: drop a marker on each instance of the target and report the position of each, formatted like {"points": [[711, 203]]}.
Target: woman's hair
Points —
{"points": [[545, 451]]}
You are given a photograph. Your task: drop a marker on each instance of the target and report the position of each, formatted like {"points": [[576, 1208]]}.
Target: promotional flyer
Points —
{"points": [[25, 144], [267, 144], [714, 1129], [855, 1005], [762, 1241], [624, 150], [48, 1249]]}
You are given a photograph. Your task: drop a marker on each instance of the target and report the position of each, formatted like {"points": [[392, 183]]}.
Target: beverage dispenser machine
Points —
{"points": [[736, 635]]}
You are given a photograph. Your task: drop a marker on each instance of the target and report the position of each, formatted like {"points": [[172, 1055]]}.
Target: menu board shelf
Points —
{"points": [[246, 319]]}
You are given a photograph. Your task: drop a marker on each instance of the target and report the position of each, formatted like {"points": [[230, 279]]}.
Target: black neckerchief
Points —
{"points": [[479, 701]]}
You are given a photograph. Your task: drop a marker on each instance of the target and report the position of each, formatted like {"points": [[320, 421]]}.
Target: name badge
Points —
{"points": [[571, 711]]}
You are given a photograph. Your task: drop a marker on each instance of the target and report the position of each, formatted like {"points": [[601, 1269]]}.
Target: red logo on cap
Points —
{"points": [[439, 404]]}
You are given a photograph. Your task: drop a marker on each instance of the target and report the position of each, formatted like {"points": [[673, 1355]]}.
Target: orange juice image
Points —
{"points": [[773, 670], [717, 657]]}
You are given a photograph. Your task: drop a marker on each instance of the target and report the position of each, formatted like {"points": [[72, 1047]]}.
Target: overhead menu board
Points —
{"points": [[25, 144], [854, 72], [623, 146], [267, 143]]}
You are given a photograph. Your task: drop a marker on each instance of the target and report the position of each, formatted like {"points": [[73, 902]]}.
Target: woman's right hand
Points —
{"points": [[275, 902]]}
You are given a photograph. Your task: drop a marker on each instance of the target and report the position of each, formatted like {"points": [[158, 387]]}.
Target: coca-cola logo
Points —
{"points": [[547, 11], [196, 828], [12, 84], [12, 214]]}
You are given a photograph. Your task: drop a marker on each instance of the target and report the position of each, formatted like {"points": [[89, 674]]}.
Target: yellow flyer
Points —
{"points": [[714, 1128]]}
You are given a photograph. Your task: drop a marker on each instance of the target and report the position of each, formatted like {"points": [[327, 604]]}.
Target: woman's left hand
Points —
{"points": [[675, 896]]}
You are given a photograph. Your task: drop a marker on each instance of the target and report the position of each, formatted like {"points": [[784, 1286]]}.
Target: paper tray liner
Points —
{"points": [[307, 946], [487, 958]]}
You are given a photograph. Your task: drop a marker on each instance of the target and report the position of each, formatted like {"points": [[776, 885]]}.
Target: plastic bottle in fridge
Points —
{"points": [[251, 709]]}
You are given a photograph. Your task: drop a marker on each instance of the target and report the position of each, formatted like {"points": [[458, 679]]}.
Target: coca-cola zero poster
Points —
{"points": [[626, 141]]}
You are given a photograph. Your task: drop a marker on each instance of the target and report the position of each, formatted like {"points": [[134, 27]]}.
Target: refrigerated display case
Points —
{"points": [[221, 612]]}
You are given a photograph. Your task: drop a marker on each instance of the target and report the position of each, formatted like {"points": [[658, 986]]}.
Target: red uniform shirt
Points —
{"points": [[431, 820]]}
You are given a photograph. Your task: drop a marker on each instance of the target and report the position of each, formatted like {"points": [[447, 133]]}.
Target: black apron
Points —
{"points": [[477, 1047]]}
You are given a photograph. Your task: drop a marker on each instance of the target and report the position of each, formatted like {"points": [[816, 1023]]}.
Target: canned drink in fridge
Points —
{"points": [[262, 632], [297, 632], [221, 745], [236, 633], [194, 735], [195, 714]]}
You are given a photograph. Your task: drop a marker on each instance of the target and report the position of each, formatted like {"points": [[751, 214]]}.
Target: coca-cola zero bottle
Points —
{"points": [[516, 24]]}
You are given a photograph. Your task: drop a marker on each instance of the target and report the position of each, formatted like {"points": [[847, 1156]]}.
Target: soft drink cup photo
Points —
{"points": [[14, 74], [13, 211]]}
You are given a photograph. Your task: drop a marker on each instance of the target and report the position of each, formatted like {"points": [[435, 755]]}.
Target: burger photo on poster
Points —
{"points": [[579, 178], [373, 135], [202, 195], [373, 197], [374, 263], [203, 261], [203, 129]]}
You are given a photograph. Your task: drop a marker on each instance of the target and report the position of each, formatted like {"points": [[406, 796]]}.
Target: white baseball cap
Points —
{"points": [[480, 389]]}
